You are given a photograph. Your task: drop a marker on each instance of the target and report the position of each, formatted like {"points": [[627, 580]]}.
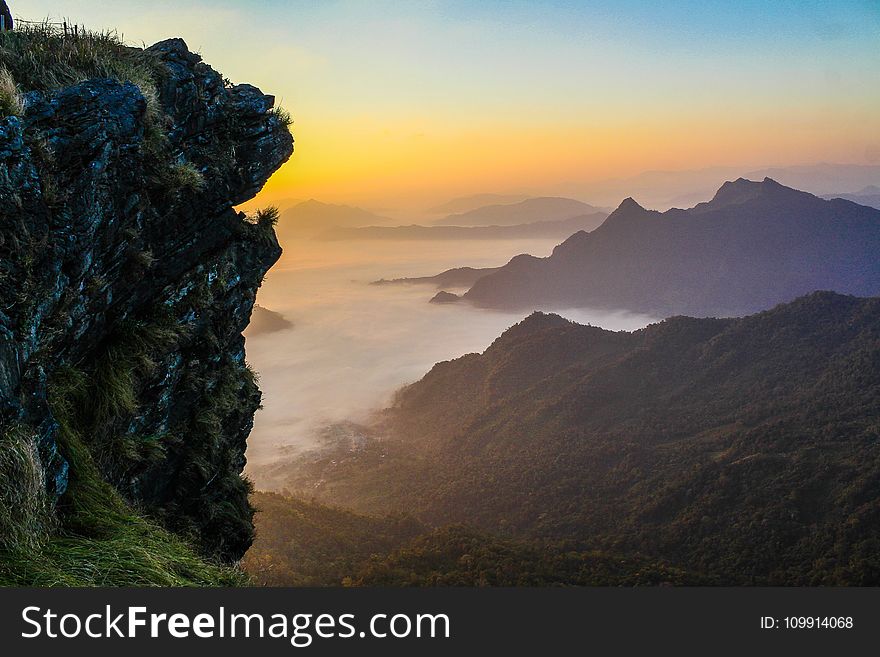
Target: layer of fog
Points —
{"points": [[352, 344]]}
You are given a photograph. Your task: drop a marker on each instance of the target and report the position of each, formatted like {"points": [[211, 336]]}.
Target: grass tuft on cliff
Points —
{"points": [[284, 117], [185, 176], [11, 103], [103, 542], [42, 58], [267, 217], [25, 511], [94, 537]]}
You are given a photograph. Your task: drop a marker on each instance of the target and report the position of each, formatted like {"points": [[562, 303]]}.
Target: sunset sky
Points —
{"points": [[412, 102]]}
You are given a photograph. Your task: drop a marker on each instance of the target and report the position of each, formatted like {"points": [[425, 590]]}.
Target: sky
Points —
{"points": [[410, 103]]}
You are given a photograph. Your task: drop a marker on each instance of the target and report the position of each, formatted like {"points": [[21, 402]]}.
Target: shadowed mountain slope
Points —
{"points": [[741, 449], [755, 244]]}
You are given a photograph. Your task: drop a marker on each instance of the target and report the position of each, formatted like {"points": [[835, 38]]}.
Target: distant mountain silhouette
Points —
{"points": [[458, 277], [547, 208], [265, 321], [684, 188], [468, 203], [755, 244], [822, 178], [536, 230], [869, 196], [445, 297], [307, 219]]}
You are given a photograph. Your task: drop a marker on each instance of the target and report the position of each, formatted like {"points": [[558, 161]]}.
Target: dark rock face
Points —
{"points": [[118, 237]]}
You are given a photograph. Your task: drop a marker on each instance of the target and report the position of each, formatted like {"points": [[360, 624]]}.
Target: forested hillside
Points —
{"points": [[744, 449], [304, 543]]}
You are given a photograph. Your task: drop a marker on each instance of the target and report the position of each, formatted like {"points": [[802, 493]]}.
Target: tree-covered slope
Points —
{"points": [[744, 449], [304, 543]]}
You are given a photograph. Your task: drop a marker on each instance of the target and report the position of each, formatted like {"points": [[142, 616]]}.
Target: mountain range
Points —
{"points": [[555, 229], [869, 196], [468, 203], [552, 218], [684, 188], [755, 244], [309, 218], [531, 210], [745, 450], [457, 277]]}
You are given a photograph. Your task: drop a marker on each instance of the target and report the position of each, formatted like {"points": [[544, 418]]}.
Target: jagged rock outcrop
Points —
{"points": [[127, 278]]}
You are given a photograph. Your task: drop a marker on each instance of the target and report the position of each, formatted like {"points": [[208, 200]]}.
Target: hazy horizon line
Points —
{"points": [[432, 200]]}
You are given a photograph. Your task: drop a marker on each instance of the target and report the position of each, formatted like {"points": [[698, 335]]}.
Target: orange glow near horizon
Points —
{"points": [[362, 162]]}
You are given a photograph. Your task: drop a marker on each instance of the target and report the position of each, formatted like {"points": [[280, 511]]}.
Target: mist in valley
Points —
{"points": [[352, 345]]}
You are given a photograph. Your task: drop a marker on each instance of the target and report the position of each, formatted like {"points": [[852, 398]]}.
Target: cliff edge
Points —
{"points": [[126, 280]]}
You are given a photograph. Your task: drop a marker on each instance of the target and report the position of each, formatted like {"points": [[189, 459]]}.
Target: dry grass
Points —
{"points": [[283, 116], [184, 177], [267, 217], [41, 57], [25, 511], [98, 539], [11, 103]]}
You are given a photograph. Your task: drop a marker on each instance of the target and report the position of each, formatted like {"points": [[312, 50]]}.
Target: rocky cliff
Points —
{"points": [[126, 280]]}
